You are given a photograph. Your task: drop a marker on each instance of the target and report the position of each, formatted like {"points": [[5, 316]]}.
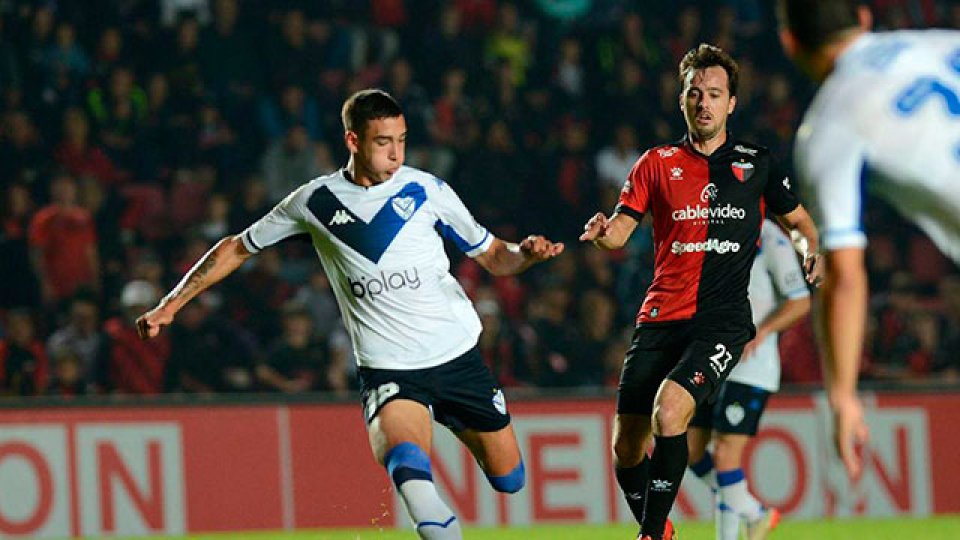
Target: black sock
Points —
{"points": [[667, 465], [633, 483]]}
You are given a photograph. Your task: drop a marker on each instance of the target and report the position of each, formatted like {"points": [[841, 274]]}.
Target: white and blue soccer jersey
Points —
{"points": [[382, 249], [886, 121], [776, 276]]}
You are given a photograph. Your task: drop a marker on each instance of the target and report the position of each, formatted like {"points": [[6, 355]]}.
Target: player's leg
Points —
{"points": [[645, 365], [400, 431], [498, 454], [736, 422], [472, 405], [726, 521], [713, 350]]}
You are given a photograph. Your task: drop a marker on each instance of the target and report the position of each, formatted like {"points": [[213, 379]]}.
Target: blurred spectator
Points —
{"points": [[109, 54], [173, 10], [118, 111], [614, 163], [510, 44], [551, 344], [317, 297], [499, 345], [22, 155], [216, 225], [63, 244], [181, 64], [292, 59], [297, 362], [20, 287], [10, 72], [293, 108], [947, 358], [904, 341], [257, 295], [82, 341], [229, 58], [252, 203], [67, 380], [65, 55], [136, 366], [290, 162], [24, 370], [208, 353], [598, 329], [78, 154]]}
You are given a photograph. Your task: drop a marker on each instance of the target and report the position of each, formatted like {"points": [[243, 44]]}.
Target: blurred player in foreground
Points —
{"points": [[778, 298], [378, 229], [707, 195], [886, 119]]}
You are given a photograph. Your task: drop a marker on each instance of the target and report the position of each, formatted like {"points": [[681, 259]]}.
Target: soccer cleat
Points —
{"points": [[669, 533], [761, 528]]}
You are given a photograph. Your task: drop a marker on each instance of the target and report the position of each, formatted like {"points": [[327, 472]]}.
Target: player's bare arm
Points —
{"points": [[506, 258], [843, 317], [799, 220], [217, 263], [609, 233], [789, 312]]}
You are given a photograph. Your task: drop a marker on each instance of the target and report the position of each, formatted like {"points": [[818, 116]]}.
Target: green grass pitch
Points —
{"points": [[937, 528]]}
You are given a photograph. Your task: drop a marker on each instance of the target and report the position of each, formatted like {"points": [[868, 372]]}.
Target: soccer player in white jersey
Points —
{"points": [[778, 298], [886, 119], [378, 229]]}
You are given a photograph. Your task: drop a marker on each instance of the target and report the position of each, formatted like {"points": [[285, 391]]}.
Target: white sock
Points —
{"points": [[705, 471], [726, 520], [433, 518], [734, 493]]}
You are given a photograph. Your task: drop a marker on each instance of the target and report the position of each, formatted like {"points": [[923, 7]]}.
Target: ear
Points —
{"points": [[352, 141], [789, 43], [865, 17], [733, 104]]}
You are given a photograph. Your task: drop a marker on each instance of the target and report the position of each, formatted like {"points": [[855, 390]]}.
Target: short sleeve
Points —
{"points": [[830, 161], [283, 221], [457, 224], [782, 263], [778, 193], [635, 195]]}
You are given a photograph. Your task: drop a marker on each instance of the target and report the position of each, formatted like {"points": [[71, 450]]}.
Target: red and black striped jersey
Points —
{"points": [[707, 213]]}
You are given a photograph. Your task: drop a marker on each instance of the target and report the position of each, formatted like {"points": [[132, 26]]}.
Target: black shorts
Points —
{"points": [[462, 393], [737, 410], [697, 355]]}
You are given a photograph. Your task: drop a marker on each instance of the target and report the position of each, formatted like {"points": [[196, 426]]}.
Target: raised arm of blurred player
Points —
{"points": [[843, 314], [506, 258], [799, 220], [217, 263]]}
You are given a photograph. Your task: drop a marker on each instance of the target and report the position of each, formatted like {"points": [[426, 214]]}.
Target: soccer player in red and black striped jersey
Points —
{"points": [[707, 194]]}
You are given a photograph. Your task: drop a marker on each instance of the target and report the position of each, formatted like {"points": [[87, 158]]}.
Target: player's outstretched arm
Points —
{"points": [[217, 263], [609, 233], [799, 220], [843, 319], [506, 258]]}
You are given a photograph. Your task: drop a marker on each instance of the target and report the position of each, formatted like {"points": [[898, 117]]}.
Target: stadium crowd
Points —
{"points": [[137, 132]]}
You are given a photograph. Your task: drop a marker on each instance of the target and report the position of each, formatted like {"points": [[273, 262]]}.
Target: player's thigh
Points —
{"points": [[497, 452], [630, 438], [653, 353], [709, 357], [399, 421]]}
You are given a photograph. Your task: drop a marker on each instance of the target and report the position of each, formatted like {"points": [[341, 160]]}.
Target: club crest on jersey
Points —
{"points": [[742, 170], [404, 207]]}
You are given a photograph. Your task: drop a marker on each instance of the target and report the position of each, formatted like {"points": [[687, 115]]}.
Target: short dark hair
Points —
{"points": [[367, 105], [706, 55], [817, 22]]}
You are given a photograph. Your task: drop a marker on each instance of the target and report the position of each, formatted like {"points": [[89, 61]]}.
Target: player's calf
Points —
{"points": [[409, 468]]}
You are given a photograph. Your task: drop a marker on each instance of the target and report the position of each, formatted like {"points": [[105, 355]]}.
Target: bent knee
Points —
{"points": [[511, 482], [669, 420]]}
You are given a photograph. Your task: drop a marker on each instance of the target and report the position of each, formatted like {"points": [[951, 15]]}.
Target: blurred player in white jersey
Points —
{"points": [[886, 119], [778, 298], [378, 229]]}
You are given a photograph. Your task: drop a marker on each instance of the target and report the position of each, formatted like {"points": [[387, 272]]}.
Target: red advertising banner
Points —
{"points": [[173, 470]]}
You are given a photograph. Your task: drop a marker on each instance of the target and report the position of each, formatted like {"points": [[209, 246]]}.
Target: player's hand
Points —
{"points": [[813, 268], [538, 248], [150, 323], [850, 432], [596, 227], [749, 349]]}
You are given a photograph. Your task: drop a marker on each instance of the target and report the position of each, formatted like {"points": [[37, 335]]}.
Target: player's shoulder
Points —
{"points": [[406, 175], [661, 152]]}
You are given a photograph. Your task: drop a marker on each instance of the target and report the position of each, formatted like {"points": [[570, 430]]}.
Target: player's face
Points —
{"points": [[706, 102], [379, 151]]}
